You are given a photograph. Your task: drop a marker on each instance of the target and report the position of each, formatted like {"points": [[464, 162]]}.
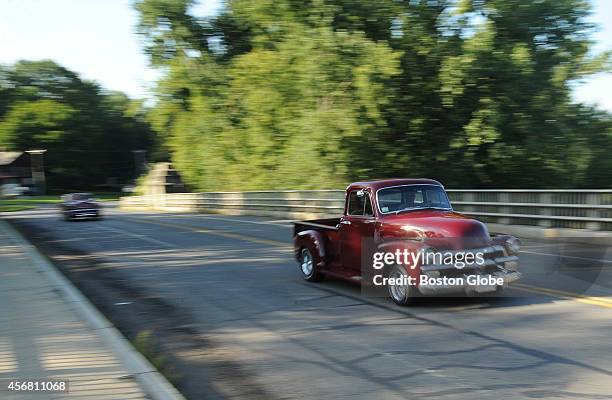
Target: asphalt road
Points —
{"points": [[225, 305]]}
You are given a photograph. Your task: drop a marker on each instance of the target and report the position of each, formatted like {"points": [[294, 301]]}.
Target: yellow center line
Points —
{"points": [[216, 232], [592, 300]]}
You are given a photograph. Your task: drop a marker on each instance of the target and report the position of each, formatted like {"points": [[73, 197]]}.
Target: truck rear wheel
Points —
{"points": [[402, 294], [309, 267]]}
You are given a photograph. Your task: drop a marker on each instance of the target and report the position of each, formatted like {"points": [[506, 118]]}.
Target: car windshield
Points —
{"points": [[412, 197], [81, 196]]}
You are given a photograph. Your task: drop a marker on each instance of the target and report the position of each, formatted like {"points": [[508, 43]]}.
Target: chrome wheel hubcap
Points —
{"points": [[397, 291], [306, 264]]}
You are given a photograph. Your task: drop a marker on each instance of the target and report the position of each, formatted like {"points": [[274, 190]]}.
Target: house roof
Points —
{"points": [[8, 157]]}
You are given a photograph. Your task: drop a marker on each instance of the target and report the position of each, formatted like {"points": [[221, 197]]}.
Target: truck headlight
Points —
{"points": [[512, 245]]}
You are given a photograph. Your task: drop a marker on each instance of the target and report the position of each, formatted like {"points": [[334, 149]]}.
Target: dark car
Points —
{"points": [[80, 206]]}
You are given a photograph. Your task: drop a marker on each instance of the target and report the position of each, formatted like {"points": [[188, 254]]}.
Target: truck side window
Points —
{"points": [[367, 211], [355, 203], [359, 205]]}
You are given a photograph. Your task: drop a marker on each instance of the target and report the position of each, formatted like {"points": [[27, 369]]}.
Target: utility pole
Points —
{"points": [[37, 165]]}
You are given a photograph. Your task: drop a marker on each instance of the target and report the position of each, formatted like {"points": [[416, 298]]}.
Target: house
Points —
{"points": [[15, 168]]}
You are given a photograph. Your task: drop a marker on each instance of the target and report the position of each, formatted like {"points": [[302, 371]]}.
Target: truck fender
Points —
{"points": [[314, 241]]}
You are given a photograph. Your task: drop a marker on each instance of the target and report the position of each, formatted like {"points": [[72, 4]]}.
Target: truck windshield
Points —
{"points": [[412, 197]]}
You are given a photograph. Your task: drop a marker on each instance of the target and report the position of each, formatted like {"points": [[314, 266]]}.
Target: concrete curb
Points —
{"points": [[151, 381]]}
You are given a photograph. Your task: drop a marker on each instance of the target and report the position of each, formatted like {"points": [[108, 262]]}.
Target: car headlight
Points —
{"points": [[512, 245]]}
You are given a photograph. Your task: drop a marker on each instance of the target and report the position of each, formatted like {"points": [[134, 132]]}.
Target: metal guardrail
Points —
{"points": [[554, 208]]}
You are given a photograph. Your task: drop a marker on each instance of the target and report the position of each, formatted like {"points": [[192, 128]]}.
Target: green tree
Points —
{"points": [[89, 133], [35, 124], [309, 94]]}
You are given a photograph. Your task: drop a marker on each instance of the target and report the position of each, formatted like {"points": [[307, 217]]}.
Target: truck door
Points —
{"points": [[356, 226]]}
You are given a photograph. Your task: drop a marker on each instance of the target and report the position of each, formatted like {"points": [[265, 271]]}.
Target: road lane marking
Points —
{"points": [[138, 236], [591, 300], [216, 232], [246, 221], [283, 221], [566, 256], [563, 293], [277, 223]]}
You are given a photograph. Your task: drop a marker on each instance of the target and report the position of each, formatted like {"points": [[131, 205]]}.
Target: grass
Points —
{"points": [[144, 343], [27, 203], [13, 208], [32, 200]]}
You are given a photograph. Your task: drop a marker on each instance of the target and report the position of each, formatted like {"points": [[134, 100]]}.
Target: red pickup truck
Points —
{"points": [[404, 235]]}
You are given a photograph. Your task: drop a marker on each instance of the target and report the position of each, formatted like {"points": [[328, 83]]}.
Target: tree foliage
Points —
{"points": [[88, 133], [316, 93]]}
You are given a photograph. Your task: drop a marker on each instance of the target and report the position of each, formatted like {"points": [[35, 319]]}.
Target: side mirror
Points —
{"points": [[360, 193]]}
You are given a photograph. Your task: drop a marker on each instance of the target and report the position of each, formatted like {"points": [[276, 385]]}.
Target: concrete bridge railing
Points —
{"points": [[550, 208], [282, 204]]}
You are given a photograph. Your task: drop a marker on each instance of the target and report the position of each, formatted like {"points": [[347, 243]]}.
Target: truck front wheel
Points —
{"points": [[309, 267], [401, 293]]}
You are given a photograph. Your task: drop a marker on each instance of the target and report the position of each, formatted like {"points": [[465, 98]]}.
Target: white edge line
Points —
{"points": [[152, 381]]}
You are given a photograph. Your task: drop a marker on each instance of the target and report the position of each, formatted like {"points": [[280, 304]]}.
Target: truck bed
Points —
{"points": [[327, 228], [326, 224]]}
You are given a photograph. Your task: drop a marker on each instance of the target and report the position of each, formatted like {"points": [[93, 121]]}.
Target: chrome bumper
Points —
{"points": [[500, 266], [85, 212]]}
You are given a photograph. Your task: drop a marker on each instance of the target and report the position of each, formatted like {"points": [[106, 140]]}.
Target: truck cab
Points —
{"points": [[409, 217]]}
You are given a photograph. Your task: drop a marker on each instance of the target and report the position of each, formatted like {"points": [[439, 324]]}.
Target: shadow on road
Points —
{"points": [[235, 320]]}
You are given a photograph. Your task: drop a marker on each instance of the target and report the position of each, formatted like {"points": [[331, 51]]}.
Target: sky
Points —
{"points": [[96, 38], [598, 88]]}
